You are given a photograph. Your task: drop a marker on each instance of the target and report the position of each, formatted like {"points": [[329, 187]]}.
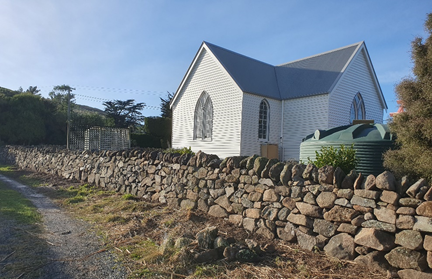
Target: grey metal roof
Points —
{"points": [[313, 75], [251, 75], [306, 77]]}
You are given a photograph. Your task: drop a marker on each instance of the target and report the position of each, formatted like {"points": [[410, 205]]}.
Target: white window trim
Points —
{"points": [[266, 139], [204, 110], [354, 105]]}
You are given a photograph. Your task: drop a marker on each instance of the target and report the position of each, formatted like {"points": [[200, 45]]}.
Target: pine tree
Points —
{"points": [[413, 127]]}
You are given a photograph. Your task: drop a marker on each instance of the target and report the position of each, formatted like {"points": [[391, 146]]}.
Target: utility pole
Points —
{"points": [[68, 118]]}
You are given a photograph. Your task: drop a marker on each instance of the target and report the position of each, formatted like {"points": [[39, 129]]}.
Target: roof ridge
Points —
{"points": [[320, 54]]}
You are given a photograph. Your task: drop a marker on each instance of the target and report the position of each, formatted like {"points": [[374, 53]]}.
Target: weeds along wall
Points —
{"points": [[366, 219]]}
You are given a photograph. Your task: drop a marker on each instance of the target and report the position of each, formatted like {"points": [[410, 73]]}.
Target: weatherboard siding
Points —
{"points": [[250, 144], [302, 117], [358, 77], [208, 75]]}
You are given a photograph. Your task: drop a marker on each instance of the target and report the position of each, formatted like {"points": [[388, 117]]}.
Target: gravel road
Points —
{"points": [[73, 250]]}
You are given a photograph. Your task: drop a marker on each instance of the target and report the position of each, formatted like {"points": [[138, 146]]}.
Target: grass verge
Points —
{"points": [[14, 206], [21, 249]]}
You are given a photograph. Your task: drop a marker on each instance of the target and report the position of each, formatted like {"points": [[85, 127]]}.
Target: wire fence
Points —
{"points": [[99, 138]]}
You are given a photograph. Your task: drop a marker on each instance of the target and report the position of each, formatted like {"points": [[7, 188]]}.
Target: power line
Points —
{"points": [[116, 90], [96, 99]]}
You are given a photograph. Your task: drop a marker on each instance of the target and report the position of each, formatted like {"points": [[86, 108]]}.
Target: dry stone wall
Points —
{"points": [[373, 220]]}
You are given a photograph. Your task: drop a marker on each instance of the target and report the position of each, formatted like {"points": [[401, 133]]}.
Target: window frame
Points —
{"points": [[203, 118], [264, 116], [357, 107]]}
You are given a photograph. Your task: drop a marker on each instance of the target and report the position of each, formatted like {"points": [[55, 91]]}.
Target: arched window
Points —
{"points": [[203, 118], [263, 120], [357, 108]]}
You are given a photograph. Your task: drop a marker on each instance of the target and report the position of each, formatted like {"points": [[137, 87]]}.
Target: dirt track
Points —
{"points": [[71, 250]]}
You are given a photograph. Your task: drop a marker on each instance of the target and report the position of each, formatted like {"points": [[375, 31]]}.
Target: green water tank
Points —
{"points": [[370, 142]]}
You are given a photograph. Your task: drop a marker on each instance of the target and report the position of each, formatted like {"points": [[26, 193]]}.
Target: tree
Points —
{"points": [[413, 127], [165, 106], [33, 90], [125, 114], [22, 119], [62, 95], [160, 128]]}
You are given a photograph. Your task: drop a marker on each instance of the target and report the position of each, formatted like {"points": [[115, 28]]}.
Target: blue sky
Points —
{"points": [[139, 49]]}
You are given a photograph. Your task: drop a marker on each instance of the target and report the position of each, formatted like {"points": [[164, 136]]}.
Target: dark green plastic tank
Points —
{"points": [[370, 142]]}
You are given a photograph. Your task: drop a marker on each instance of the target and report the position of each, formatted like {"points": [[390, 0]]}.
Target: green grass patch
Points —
{"points": [[7, 168], [13, 205], [19, 175], [128, 197]]}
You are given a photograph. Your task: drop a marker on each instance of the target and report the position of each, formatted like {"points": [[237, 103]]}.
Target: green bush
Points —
{"points": [[342, 157], [145, 141], [181, 151], [413, 127]]}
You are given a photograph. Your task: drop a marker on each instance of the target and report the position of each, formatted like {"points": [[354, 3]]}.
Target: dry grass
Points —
{"points": [[137, 230]]}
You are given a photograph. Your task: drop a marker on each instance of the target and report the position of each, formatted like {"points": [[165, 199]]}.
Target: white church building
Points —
{"points": [[229, 104]]}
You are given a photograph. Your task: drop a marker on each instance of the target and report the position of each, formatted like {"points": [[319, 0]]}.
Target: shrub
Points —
{"points": [[413, 127], [181, 151], [342, 157]]}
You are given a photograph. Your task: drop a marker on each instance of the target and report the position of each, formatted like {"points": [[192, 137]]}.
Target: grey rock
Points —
{"points": [[347, 228], [410, 202], [413, 274], [415, 188], [405, 222], [275, 171], [309, 210], [404, 258], [409, 239], [217, 211], [389, 197], [348, 182], [340, 214], [309, 198], [286, 174], [259, 164], [188, 204], [370, 182], [379, 225], [369, 194], [208, 256], [220, 242], [182, 242], [300, 219], [425, 209], [345, 193], [385, 215], [283, 214], [270, 196], [326, 199], [423, 224], [269, 213], [249, 224], [287, 233], [341, 246], [386, 181], [325, 174], [206, 237], [375, 239], [266, 232], [356, 200], [324, 227], [338, 177], [309, 242]]}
